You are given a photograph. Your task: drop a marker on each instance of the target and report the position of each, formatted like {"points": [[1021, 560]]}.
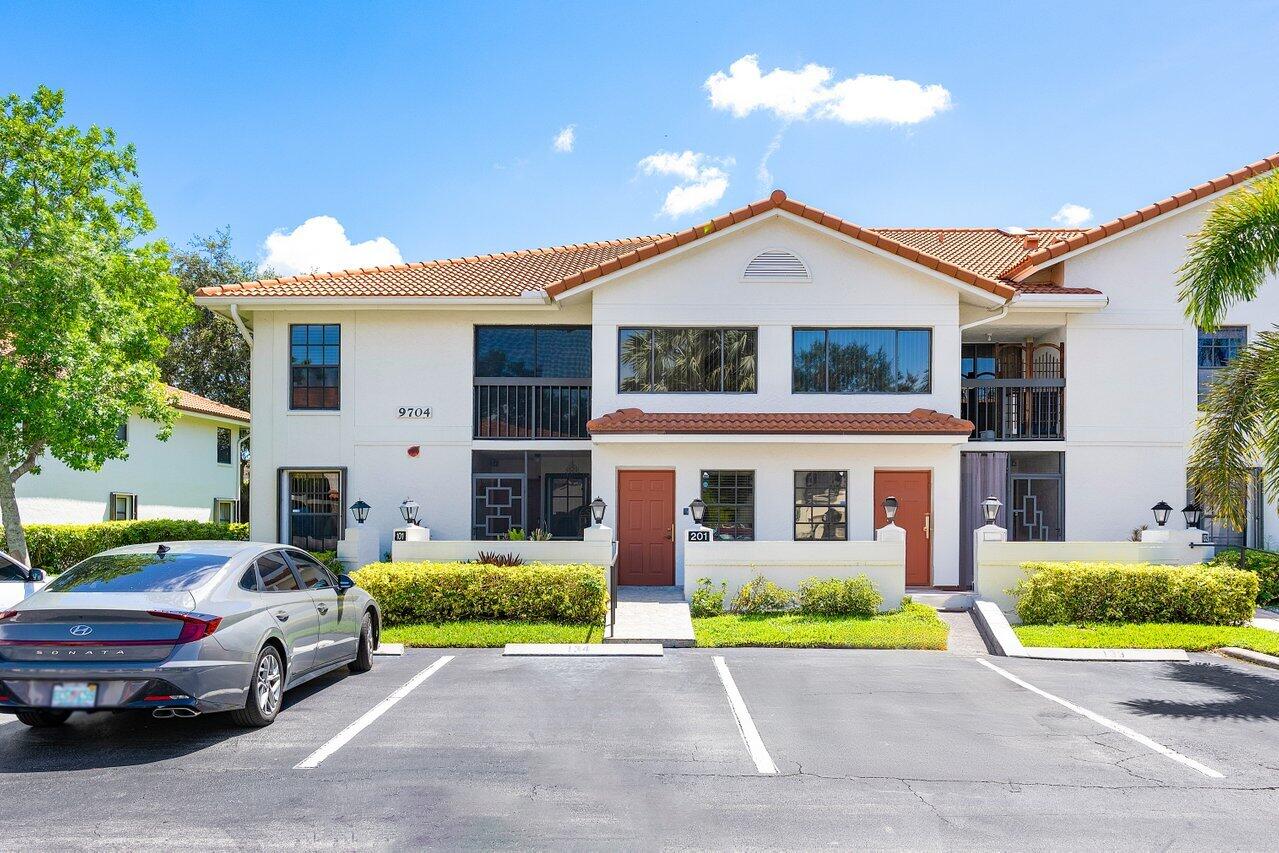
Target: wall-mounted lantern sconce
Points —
{"points": [[698, 510]]}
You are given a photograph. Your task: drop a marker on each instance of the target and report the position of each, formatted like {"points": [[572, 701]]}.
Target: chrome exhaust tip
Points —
{"points": [[174, 711], [162, 713], [185, 712]]}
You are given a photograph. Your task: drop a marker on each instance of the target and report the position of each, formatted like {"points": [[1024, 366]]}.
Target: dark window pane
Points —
{"points": [[315, 334], [224, 446], [297, 335], [864, 361], [249, 580], [504, 351], [730, 504], [635, 352], [687, 360], [315, 510], [739, 360], [564, 353], [332, 333], [276, 574], [315, 355], [312, 573], [821, 501], [809, 365], [914, 353]]}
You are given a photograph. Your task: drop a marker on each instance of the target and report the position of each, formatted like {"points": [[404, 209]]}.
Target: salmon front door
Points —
{"points": [[914, 493], [646, 528]]}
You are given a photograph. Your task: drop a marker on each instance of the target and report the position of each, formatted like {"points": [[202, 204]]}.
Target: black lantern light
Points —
{"points": [[1193, 513], [409, 509], [698, 510], [1161, 511], [360, 510], [990, 509], [890, 508], [597, 510]]}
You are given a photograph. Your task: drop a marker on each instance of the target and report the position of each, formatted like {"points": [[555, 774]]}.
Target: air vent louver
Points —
{"points": [[776, 265]]}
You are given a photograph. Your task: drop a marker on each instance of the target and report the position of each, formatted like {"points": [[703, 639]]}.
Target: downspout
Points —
{"points": [[239, 324]]}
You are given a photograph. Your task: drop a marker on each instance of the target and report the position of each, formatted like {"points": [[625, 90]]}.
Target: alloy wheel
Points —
{"points": [[269, 685]]}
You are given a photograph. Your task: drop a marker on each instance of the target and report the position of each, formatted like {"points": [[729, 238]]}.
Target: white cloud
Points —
{"points": [[809, 94], [703, 180], [1072, 215], [565, 139], [320, 245]]}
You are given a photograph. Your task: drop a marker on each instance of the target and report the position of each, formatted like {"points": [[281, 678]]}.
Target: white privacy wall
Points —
{"points": [[178, 478]]}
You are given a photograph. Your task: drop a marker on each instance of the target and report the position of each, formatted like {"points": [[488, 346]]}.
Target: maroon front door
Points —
{"points": [[646, 528], [913, 490]]}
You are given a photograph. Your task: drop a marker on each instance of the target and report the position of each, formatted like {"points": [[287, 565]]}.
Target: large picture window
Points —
{"points": [[730, 504], [862, 361], [653, 360], [315, 364], [533, 351], [821, 505]]}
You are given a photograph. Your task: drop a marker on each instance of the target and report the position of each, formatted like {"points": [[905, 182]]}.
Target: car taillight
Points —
{"points": [[195, 626]]}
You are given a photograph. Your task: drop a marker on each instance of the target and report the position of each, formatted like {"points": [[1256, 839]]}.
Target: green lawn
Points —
{"points": [[914, 627], [489, 633], [1153, 635]]}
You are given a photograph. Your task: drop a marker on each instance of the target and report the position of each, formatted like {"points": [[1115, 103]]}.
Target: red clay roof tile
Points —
{"points": [[917, 422]]}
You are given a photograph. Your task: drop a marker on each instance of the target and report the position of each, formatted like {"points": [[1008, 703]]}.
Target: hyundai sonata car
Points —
{"points": [[182, 629]]}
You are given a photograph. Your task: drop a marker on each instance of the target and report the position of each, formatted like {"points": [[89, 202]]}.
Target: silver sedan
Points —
{"points": [[181, 629]]}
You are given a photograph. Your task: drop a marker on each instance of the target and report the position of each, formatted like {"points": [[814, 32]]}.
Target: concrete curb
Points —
{"points": [[584, 650], [1258, 658], [389, 649], [1002, 640]]}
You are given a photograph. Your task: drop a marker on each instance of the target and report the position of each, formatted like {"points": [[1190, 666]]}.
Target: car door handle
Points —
{"points": [[282, 615], [323, 608]]}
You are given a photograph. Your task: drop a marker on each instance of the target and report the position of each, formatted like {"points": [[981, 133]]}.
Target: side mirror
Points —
{"points": [[345, 583], [36, 575]]}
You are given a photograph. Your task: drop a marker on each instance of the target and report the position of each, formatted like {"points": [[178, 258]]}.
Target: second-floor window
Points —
{"points": [[1216, 350], [315, 363], [661, 360], [560, 352], [862, 361], [224, 446]]}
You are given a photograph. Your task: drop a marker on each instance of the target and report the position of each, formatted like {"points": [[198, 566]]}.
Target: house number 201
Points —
{"points": [[414, 411]]}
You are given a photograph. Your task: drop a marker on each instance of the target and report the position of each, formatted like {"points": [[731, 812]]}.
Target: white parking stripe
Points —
{"points": [[754, 743], [343, 737], [1110, 724]]}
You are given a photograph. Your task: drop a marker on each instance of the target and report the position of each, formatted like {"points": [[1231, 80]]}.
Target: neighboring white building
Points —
{"points": [[194, 475], [788, 367]]}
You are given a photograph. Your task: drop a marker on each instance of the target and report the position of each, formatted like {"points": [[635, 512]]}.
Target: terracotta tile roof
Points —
{"points": [[987, 251], [504, 274], [1045, 287], [1145, 214], [917, 422], [187, 402]]}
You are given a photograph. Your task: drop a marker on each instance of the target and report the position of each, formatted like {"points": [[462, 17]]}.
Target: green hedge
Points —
{"points": [[1065, 593], [441, 592], [1264, 563], [57, 547], [854, 596]]}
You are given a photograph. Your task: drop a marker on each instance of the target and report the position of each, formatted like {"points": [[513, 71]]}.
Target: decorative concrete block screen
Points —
{"points": [[999, 563], [560, 552], [788, 563]]}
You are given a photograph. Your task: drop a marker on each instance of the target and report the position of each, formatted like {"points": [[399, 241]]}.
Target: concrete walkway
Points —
{"points": [[964, 638], [1267, 619], [652, 614]]}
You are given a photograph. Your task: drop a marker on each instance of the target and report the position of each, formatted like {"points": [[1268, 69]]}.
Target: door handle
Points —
{"points": [[670, 534], [323, 608], [928, 525], [282, 615]]}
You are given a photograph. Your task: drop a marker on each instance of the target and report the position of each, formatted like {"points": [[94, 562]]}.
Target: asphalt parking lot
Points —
{"points": [[870, 749]]}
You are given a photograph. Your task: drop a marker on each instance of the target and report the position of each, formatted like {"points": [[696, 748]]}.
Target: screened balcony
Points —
{"points": [[532, 382], [1014, 391]]}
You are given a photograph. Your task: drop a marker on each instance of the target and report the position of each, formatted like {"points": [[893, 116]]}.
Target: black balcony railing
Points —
{"points": [[1015, 409], [531, 408]]}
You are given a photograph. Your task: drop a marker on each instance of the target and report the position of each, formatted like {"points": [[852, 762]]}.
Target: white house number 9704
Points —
{"points": [[414, 411]]}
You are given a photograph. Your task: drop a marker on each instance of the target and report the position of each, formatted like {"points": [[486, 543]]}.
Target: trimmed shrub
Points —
{"points": [[761, 595], [1066, 593], [706, 599], [58, 547], [855, 596], [442, 592], [1264, 563]]}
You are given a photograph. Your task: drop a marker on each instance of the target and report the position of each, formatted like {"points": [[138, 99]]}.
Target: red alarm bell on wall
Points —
{"points": [[414, 450]]}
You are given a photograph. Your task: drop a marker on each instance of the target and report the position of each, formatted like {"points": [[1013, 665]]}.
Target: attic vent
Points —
{"points": [[776, 265]]}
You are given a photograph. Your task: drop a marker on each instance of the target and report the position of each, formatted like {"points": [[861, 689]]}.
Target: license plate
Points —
{"points": [[74, 694]]}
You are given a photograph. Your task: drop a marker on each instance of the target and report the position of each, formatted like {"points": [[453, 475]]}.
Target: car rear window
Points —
{"points": [[138, 573]]}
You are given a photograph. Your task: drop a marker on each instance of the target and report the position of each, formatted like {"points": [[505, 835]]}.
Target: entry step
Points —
{"points": [[583, 650], [652, 614]]}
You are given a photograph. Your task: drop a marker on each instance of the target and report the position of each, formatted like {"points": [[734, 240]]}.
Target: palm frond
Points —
{"points": [[1238, 430], [1234, 251]]}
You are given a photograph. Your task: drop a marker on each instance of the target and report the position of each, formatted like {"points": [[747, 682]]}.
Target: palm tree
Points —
{"points": [[1230, 258]]}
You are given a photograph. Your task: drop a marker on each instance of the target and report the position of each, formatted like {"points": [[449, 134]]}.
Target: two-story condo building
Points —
{"points": [[786, 366]]}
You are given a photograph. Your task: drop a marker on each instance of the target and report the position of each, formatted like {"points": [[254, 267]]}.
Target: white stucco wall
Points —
{"points": [[178, 478]]}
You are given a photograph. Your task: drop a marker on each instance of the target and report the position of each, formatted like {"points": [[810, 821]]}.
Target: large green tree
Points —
{"points": [[87, 305], [1229, 260], [209, 357]]}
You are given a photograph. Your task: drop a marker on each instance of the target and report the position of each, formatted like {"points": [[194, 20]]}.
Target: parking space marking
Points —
{"points": [[1110, 724], [343, 737], [754, 743]]}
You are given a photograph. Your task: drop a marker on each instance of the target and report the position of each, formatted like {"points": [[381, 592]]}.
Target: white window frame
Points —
{"points": [[133, 506], [233, 503]]}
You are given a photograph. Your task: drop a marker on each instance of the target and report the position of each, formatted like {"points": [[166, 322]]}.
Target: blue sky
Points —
{"points": [[433, 125]]}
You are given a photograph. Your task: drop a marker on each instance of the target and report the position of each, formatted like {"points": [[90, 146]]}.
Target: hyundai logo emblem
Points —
{"points": [[81, 631]]}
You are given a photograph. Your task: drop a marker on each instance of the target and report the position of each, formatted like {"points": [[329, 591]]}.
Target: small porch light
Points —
{"points": [[1161, 511], [698, 510], [990, 509], [360, 510], [409, 509], [597, 510], [1193, 513], [890, 508]]}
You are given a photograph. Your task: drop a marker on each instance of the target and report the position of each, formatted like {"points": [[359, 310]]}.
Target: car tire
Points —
{"points": [[364, 655], [266, 691], [43, 719]]}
